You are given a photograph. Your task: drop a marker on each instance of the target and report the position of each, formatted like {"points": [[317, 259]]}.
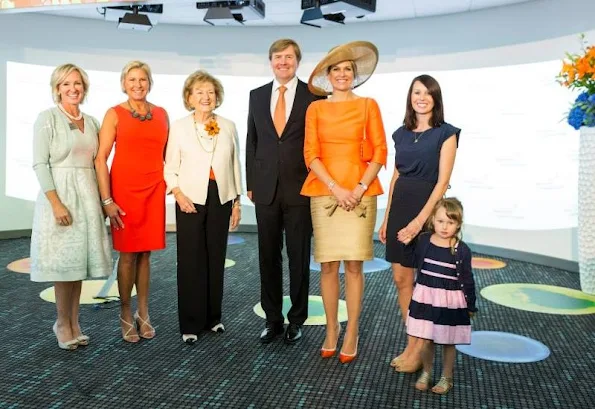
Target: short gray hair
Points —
{"points": [[60, 74]]}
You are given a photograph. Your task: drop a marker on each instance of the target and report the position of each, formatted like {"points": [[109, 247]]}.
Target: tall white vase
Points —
{"points": [[586, 209]]}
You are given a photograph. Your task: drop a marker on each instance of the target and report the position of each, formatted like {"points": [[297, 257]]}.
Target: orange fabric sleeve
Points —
{"points": [[311, 142], [375, 132]]}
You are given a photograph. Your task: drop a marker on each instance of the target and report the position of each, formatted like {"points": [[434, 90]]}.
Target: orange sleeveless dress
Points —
{"points": [[137, 183]]}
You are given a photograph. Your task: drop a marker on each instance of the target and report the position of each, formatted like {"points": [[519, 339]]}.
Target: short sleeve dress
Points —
{"points": [[137, 181], [63, 161], [417, 158]]}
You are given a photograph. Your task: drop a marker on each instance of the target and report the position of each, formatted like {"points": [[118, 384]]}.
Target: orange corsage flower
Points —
{"points": [[212, 127]]}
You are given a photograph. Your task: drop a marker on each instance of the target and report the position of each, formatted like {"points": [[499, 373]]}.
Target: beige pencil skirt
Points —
{"points": [[342, 235]]}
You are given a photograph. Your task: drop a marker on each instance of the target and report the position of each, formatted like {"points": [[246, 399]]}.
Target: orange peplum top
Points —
{"points": [[334, 133]]}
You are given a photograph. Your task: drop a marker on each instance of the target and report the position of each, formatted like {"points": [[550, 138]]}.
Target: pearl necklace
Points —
{"points": [[74, 118], [199, 137]]}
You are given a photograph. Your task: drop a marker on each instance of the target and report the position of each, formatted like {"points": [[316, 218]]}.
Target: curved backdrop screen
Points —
{"points": [[516, 165]]}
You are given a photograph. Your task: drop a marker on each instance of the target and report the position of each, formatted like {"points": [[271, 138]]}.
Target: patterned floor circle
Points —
{"points": [[315, 310], [541, 298], [233, 239], [90, 289], [229, 263], [20, 266], [483, 263], [370, 266], [504, 347]]}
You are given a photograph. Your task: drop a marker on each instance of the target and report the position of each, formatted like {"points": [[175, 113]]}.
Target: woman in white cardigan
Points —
{"points": [[202, 171]]}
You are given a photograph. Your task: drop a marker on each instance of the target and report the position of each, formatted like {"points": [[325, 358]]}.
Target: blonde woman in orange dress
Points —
{"points": [[343, 183]]}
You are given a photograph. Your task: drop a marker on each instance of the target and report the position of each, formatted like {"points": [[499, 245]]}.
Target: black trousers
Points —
{"points": [[202, 243], [296, 221]]}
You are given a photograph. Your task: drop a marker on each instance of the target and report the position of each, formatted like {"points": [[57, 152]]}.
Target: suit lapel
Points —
{"points": [[300, 93]]}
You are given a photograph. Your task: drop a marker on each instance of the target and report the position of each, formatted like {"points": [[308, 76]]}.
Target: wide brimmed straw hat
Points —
{"points": [[363, 53]]}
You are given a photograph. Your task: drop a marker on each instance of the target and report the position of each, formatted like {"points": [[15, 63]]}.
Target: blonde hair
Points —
{"points": [[201, 76], [454, 211], [133, 65], [282, 44], [60, 74]]}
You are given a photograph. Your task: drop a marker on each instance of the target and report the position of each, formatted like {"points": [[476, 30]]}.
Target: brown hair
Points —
{"points": [[353, 67], [433, 87], [282, 44], [454, 211], [201, 76]]}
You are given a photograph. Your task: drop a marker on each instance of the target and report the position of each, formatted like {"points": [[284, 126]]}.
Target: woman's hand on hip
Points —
{"points": [[185, 204], [62, 215], [236, 215], [408, 233], [114, 213]]}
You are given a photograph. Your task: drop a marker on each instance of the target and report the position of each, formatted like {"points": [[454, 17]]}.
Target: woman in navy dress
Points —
{"points": [[425, 149]]}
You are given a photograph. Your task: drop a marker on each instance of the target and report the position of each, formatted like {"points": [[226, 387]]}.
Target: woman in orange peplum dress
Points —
{"points": [[133, 193], [343, 184]]}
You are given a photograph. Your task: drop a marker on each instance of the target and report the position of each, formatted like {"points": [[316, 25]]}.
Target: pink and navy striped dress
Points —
{"points": [[438, 309]]}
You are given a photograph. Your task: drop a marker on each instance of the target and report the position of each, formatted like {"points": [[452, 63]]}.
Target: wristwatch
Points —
{"points": [[363, 185]]}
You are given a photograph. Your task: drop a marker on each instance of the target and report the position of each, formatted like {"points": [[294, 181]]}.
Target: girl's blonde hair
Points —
{"points": [[454, 211]]}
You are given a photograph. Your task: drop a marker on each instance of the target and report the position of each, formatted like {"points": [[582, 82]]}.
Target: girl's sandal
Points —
{"points": [[443, 386], [396, 361], [423, 382]]}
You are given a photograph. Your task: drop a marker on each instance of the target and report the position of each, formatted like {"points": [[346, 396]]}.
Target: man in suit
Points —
{"points": [[275, 173]]}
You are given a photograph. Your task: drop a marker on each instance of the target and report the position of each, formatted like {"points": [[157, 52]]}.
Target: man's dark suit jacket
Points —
{"points": [[270, 158]]}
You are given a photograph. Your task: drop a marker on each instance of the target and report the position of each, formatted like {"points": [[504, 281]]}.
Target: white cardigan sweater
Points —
{"points": [[187, 164]]}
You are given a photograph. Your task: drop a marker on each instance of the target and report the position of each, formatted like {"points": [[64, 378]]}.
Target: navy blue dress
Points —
{"points": [[417, 159]]}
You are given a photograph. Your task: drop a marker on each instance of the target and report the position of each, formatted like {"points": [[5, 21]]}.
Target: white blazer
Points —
{"points": [[188, 164]]}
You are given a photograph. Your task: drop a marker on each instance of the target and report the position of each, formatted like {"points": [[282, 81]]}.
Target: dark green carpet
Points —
{"points": [[233, 370]]}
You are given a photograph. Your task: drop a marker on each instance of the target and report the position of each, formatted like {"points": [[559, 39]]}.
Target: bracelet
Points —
{"points": [[236, 203], [331, 184], [107, 201], [363, 185]]}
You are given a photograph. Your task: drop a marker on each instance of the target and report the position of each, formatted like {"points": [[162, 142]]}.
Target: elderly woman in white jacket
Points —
{"points": [[202, 171]]}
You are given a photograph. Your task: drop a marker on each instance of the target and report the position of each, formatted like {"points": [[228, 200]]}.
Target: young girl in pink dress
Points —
{"points": [[444, 296]]}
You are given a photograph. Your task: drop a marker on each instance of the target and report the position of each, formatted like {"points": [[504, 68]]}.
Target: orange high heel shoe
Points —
{"points": [[346, 358], [328, 352]]}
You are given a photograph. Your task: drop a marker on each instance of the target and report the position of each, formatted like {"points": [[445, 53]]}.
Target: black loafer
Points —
{"points": [[270, 332], [293, 333]]}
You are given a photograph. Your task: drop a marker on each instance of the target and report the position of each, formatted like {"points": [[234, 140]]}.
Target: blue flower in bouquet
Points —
{"points": [[576, 117], [583, 97], [591, 99]]}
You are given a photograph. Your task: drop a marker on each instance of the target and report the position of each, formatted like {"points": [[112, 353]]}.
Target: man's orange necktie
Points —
{"points": [[279, 118]]}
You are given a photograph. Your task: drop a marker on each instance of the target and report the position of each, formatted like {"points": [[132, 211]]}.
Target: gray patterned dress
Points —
{"points": [[63, 161]]}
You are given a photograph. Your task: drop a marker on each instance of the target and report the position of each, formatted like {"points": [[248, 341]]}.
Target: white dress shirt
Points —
{"points": [[289, 96], [188, 161]]}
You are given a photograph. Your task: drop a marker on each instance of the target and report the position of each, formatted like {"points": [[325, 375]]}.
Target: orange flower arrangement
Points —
{"points": [[212, 127], [578, 72]]}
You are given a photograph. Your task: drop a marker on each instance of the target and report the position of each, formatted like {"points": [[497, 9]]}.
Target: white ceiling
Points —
{"points": [[288, 12]]}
